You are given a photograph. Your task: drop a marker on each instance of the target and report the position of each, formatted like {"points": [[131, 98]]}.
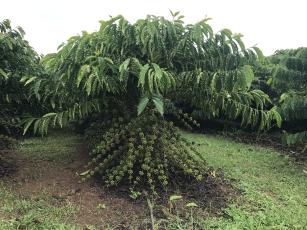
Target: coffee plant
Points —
{"points": [[150, 71], [290, 81], [17, 60]]}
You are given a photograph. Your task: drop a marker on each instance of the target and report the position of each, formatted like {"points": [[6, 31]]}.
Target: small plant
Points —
{"points": [[134, 194], [175, 197], [172, 201], [191, 206], [101, 206]]}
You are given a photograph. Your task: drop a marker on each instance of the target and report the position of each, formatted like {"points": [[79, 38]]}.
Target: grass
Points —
{"points": [[57, 147], [39, 211], [274, 187]]}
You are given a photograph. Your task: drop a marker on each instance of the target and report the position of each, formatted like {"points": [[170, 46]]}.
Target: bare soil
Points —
{"points": [[7, 166], [30, 178]]}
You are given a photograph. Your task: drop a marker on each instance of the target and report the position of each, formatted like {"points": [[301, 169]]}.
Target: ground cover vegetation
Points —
{"points": [[45, 194]]}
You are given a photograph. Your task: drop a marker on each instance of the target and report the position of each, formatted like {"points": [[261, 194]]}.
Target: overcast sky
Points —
{"points": [[270, 24]]}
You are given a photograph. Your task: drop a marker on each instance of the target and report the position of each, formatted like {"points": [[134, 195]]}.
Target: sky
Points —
{"points": [[269, 24]]}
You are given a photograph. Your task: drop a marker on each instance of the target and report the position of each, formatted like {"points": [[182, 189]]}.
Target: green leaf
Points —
{"points": [[88, 84], [142, 75], [49, 115], [159, 104], [238, 39], [249, 74], [4, 74], [28, 123], [36, 125], [276, 116], [245, 78], [150, 80], [142, 104], [84, 173], [175, 197], [192, 205], [227, 33], [259, 53], [24, 78], [123, 68], [158, 71], [30, 80], [84, 70]]}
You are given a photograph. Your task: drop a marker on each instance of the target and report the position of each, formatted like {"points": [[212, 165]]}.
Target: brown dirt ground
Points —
{"points": [[7, 166], [62, 183]]}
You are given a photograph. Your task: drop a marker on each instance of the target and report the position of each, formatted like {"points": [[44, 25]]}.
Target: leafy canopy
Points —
{"points": [[17, 59], [290, 81], [152, 62]]}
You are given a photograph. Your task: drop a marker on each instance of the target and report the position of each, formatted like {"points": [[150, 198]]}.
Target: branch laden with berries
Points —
{"points": [[144, 151]]}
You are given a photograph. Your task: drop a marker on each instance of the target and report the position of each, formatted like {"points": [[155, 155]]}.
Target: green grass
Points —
{"points": [[57, 147], [40, 211], [275, 187]]}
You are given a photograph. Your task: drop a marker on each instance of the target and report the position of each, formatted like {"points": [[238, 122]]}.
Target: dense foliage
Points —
{"points": [[150, 59], [147, 69], [290, 82], [17, 60]]}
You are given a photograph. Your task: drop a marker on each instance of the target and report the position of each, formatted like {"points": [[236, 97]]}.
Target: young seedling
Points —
{"points": [[172, 201], [191, 205], [134, 194], [101, 206]]}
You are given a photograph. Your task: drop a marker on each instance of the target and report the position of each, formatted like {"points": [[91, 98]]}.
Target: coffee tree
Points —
{"points": [[290, 81], [17, 59], [126, 77]]}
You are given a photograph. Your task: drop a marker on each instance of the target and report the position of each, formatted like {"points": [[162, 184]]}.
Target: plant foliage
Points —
{"points": [[290, 81], [151, 67], [17, 59], [151, 60]]}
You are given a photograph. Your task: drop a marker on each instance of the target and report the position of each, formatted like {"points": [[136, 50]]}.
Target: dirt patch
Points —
{"points": [[212, 193], [7, 164], [96, 206]]}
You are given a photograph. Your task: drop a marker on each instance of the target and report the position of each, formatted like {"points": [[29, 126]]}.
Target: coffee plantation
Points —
{"points": [[133, 89]]}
